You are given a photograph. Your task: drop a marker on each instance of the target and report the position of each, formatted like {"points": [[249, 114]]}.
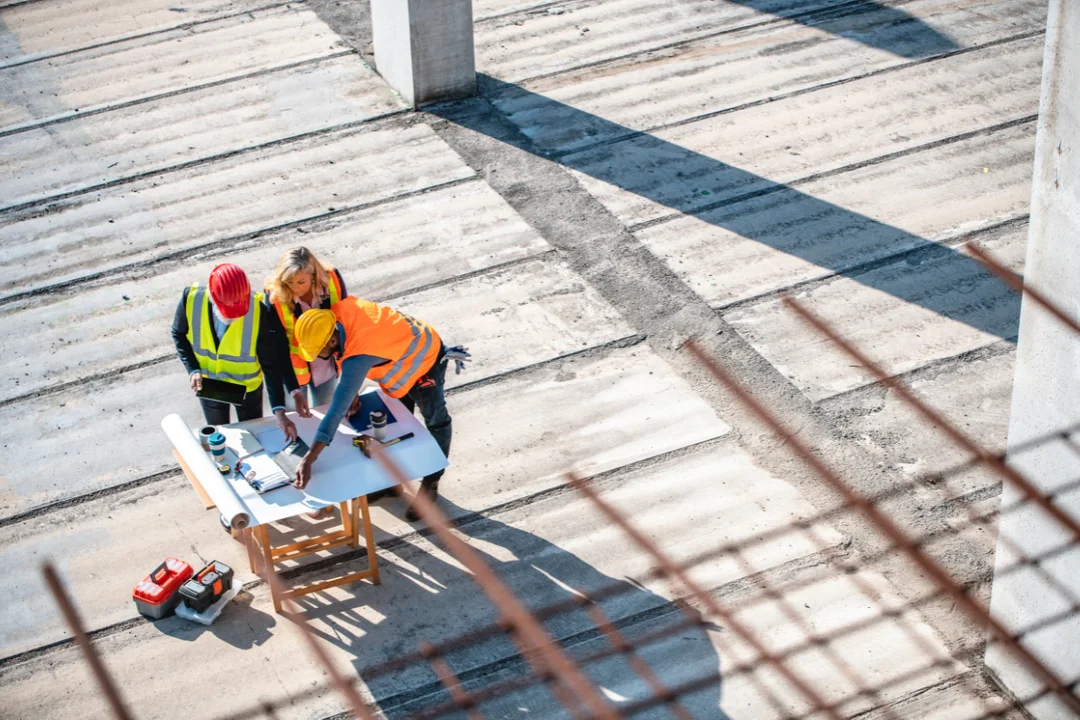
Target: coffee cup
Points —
{"points": [[204, 436], [217, 448]]}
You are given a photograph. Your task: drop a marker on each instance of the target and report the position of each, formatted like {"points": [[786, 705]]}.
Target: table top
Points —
{"points": [[342, 472]]}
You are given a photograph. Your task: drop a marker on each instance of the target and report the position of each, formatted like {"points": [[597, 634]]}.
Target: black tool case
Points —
{"points": [[207, 586]]}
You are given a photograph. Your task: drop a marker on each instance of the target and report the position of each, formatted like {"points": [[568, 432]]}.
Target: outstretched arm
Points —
{"points": [[353, 372]]}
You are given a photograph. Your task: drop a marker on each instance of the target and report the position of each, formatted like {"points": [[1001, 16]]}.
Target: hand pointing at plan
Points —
{"points": [[303, 470]]}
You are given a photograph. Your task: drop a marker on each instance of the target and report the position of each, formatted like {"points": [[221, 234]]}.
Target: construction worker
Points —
{"points": [[404, 355], [298, 284], [226, 332]]}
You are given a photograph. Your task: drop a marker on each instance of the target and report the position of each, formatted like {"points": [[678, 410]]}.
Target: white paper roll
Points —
{"points": [[217, 487]]}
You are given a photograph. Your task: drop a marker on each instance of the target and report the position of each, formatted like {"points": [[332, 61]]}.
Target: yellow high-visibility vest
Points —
{"points": [[288, 321], [233, 358]]}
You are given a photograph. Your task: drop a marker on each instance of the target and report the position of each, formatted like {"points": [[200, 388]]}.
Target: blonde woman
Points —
{"points": [[302, 283]]}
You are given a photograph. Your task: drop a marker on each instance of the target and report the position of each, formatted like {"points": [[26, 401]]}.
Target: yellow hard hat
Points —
{"points": [[313, 331]]}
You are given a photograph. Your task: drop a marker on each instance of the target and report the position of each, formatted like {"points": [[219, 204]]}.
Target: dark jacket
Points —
{"points": [[271, 348]]}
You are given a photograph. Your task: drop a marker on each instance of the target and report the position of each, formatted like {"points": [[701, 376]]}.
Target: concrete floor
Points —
{"points": [[633, 174]]}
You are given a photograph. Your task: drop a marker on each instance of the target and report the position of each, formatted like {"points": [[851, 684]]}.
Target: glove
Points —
{"points": [[459, 355]]}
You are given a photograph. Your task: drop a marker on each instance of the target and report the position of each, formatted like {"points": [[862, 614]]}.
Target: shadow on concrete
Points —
{"points": [[240, 625], [425, 596], [773, 214], [922, 39]]}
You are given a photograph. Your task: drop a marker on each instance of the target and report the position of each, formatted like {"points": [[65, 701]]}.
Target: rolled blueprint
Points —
{"points": [[219, 489]]}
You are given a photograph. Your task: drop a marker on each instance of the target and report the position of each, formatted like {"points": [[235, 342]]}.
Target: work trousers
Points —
{"points": [[217, 413], [429, 394]]}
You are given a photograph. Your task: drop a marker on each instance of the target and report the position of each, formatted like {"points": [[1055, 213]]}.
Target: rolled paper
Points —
{"points": [[219, 489]]}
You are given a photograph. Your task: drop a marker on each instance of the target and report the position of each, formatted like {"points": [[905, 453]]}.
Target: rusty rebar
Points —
{"points": [[981, 455], [536, 646], [1016, 283], [622, 646], [74, 623], [932, 416], [887, 527], [461, 698], [339, 681], [672, 569]]}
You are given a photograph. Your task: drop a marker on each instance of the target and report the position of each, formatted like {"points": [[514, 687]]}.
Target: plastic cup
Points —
{"points": [[217, 448]]}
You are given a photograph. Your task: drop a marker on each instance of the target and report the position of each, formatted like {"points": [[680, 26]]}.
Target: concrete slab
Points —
{"points": [[37, 29], [691, 166], [970, 309], [144, 138], [959, 698], [880, 655], [90, 545], [159, 64], [545, 551], [578, 109], [515, 433], [828, 226], [90, 541], [527, 44], [256, 191], [515, 317], [485, 9], [974, 395], [107, 323]]}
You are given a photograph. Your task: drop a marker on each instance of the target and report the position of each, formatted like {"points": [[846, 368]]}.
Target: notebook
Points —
{"points": [[272, 469]]}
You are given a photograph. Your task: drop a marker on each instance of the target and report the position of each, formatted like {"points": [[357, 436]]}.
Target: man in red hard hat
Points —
{"points": [[226, 332]]}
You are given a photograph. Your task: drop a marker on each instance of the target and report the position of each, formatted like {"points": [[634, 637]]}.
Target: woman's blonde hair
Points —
{"points": [[299, 259]]}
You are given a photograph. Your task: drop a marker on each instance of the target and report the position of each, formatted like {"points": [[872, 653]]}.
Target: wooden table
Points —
{"points": [[263, 556], [343, 477]]}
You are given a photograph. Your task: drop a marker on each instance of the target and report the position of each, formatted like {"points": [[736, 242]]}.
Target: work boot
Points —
{"points": [[384, 493], [429, 488]]}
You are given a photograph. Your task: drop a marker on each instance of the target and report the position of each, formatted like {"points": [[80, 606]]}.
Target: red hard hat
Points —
{"points": [[230, 290]]}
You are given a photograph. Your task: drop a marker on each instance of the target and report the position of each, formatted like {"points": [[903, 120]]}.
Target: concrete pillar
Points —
{"points": [[1046, 391], [424, 48]]}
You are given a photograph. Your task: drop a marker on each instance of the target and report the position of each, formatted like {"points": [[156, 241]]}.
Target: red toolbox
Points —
{"points": [[156, 596]]}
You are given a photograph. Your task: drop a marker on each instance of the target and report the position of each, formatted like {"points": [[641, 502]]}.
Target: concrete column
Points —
{"points": [[1046, 392], [424, 48]]}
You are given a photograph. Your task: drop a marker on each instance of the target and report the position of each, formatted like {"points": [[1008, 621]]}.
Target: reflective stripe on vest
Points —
{"points": [[233, 359], [410, 345], [393, 380], [288, 321]]}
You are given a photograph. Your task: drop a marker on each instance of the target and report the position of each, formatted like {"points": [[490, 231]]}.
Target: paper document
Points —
{"points": [[241, 441], [268, 475], [272, 440]]}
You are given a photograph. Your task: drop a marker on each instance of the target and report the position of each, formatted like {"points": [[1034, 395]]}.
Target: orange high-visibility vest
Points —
{"points": [[288, 320], [410, 345]]}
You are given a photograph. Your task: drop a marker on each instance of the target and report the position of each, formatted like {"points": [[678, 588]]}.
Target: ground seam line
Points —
{"points": [[929, 247], [172, 93], [827, 13], [229, 241], [634, 134], [778, 187], [139, 36], [76, 500], [205, 160], [386, 545], [114, 372]]}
